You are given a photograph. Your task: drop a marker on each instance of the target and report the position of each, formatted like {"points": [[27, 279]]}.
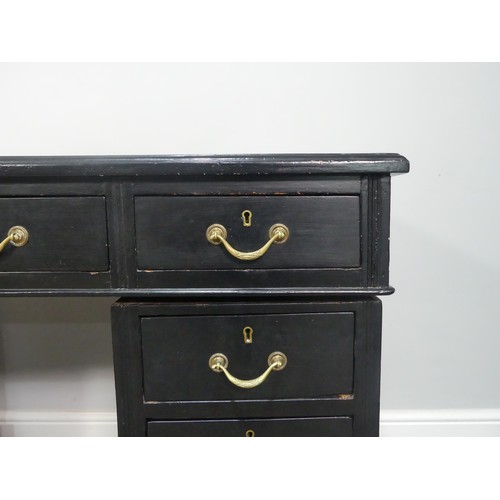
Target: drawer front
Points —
{"points": [[311, 427], [64, 234], [319, 349], [324, 232]]}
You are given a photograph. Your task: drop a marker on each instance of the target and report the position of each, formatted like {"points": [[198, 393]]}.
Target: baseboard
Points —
{"points": [[57, 424], [393, 423], [440, 423]]}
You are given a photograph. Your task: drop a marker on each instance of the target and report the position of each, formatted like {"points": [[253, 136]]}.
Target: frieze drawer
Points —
{"points": [[60, 234], [257, 242], [317, 232]]}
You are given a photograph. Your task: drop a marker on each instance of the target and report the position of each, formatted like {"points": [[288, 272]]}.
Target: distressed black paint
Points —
{"points": [[134, 226], [146, 235]]}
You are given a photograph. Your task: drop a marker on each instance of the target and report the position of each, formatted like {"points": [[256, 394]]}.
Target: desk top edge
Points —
{"points": [[199, 165]]}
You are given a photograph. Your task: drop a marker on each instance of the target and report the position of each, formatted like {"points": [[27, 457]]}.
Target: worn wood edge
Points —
{"points": [[197, 292], [201, 165]]}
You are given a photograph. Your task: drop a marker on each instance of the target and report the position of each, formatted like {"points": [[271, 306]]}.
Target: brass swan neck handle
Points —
{"points": [[217, 234], [218, 362]]}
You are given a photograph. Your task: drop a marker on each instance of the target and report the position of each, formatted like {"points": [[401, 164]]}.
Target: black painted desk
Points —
{"points": [[248, 283]]}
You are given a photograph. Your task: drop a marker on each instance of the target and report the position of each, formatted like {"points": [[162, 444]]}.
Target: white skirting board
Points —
{"points": [[393, 423], [436, 423], [57, 424]]}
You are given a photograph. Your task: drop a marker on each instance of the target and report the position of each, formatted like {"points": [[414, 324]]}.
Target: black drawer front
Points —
{"points": [[171, 231], [176, 352], [311, 427], [65, 234]]}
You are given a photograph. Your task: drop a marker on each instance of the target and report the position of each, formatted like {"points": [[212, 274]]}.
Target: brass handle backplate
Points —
{"points": [[217, 234], [17, 236], [218, 362]]}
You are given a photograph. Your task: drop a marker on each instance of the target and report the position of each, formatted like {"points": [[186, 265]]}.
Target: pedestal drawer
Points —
{"points": [[166, 383], [180, 354], [311, 427]]}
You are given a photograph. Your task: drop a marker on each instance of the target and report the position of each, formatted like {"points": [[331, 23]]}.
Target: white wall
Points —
{"points": [[441, 341]]}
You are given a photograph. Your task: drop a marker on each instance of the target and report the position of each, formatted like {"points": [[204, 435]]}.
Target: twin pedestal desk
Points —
{"points": [[248, 284]]}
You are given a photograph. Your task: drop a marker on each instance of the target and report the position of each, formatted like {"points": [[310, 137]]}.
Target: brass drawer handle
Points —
{"points": [[17, 236], [218, 363], [217, 234]]}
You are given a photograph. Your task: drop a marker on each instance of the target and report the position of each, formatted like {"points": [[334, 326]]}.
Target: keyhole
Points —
{"points": [[246, 215], [250, 433], [247, 334]]}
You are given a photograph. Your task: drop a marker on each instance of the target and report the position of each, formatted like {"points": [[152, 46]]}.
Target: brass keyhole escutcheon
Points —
{"points": [[250, 433], [247, 334], [246, 215]]}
